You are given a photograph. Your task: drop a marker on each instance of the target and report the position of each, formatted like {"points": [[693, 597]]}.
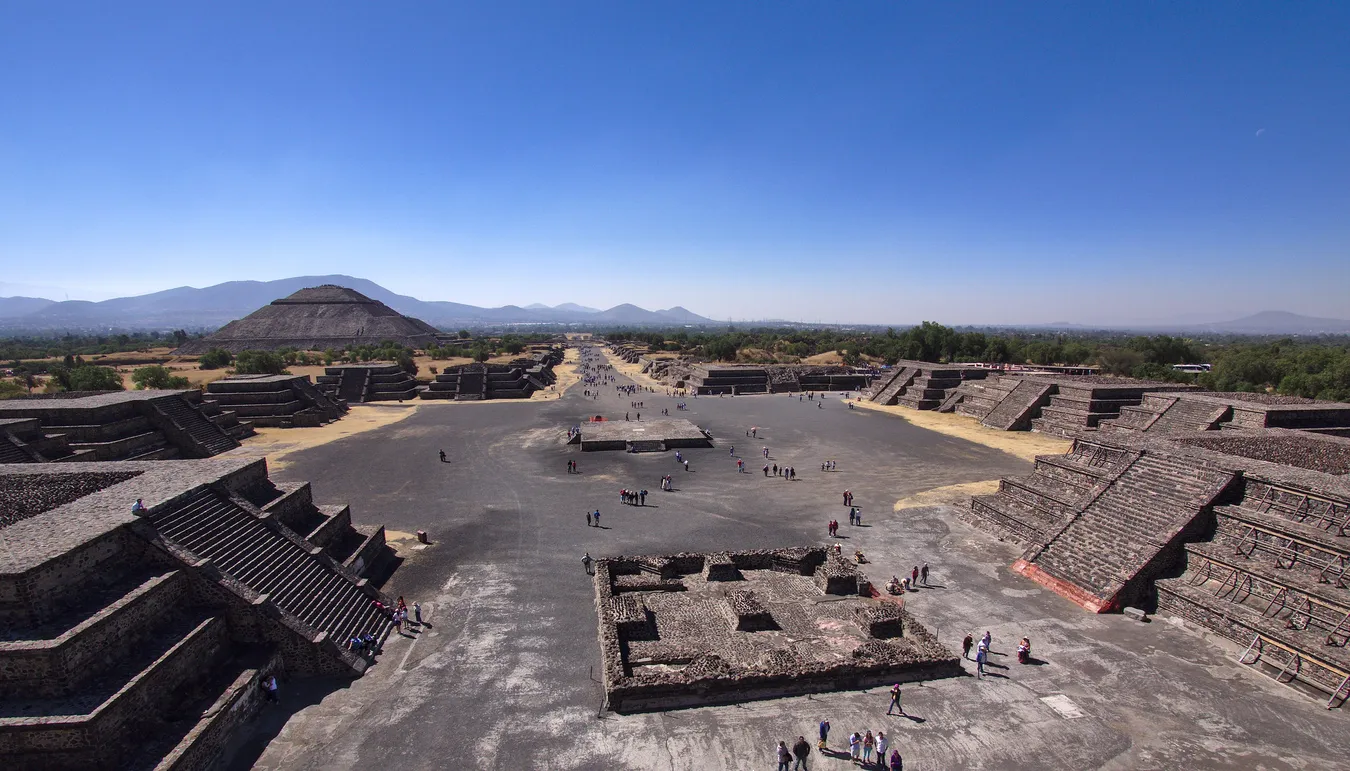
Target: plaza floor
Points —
{"points": [[506, 676]]}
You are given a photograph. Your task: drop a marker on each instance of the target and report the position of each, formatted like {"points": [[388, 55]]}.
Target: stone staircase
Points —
{"points": [[210, 438], [1188, 415], [1020, 406], [898, 382], [352, 389], [307, 585], [11, 452], [1102, 557]]}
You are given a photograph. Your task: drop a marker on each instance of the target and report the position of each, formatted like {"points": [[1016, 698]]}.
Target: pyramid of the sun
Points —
{"points": [[316, 319]]}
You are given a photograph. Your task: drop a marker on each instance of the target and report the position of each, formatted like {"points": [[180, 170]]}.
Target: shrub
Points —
{"points": [[259, 363], [216, 358], [155, 377]]}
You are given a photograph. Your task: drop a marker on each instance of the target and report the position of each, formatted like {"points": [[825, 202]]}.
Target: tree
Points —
{"points": [[480, 353], [1119, 361], [157, 377], [259, 363], [406, 363], [91, 378], [215, 359], [11, 388], [179, 337], [464, 334]]}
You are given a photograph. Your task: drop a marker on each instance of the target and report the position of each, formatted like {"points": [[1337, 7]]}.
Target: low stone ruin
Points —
{"points": [[767, 634], [921, 385], [1064, 405], [276, 401], [1190, 412], [358, 383]]}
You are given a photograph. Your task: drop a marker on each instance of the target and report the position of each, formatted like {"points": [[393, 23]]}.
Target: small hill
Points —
{"points": [[1281, 323]]}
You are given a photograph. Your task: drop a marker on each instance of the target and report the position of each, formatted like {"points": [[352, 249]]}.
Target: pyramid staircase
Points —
{"points": [[1022, 404], [1273, 579], [888, 393], [275, 564], [207, 437]]}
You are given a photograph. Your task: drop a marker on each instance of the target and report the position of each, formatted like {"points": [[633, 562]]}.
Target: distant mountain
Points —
{"points": [[214, 306], [1280, 323], [22, 306]]}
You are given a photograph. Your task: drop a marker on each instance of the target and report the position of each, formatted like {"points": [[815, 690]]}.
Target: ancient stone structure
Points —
{"points": [[1182, 413], [1065, 405], [357, 383], [654, 435], [738, 379], [921, 384], [317, 319], [119, 425], [278, 401], [693, 629], [132, 640], [517, 380], [1244, 532]]}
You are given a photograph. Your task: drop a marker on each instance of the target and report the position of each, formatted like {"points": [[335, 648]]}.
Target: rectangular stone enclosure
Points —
{"points": [[656, 435], [690, 630]]}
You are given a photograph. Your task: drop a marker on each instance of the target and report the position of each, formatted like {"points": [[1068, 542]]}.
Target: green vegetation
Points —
{"points": [[215, 359], [37, 347], [155, 377], [78, 376], [259, 363], [1315, 368]]}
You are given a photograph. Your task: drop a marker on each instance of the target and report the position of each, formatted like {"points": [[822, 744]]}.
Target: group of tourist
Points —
{"points": [[633, 497], [829, 465], [909, 583], [864, 747]]}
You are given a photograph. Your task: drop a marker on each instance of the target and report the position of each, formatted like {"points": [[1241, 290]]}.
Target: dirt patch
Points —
{"points": [[950, 495], [1023, 444], [634, 371], [276, 443]]}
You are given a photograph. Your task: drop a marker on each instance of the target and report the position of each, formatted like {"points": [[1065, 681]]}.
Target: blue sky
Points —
{"points": [[850, 161]]}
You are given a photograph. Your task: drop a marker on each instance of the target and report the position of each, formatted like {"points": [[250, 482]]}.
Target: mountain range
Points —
{"points": [[214, 306]]}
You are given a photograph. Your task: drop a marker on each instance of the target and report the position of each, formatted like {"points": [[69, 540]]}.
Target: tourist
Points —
{"points": [[923, 574], [792, 472], [824, 734], [980, 656], [855, 747], [784, 757], [800, 750], [966, 645], [597, 518], [588, 518], [775, 469], [686, 465], [587, 563], [893, 586], [914, 576], [1024, 651], [895, 700], [869, 745], [766, 470], [138, 507], [857, 516], [269, 688], [643, 496], [417, 612], [442, 456], [897, 763], [987, 641], [882, 743]]}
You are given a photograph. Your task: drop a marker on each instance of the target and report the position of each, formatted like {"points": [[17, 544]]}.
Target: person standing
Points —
{"points": [[784, 757], [923, 574], [882, 744], [643, 496], [966, 645], [588, 518], [895, 700], [869, 745], [914, 576], [417, 613], [800, 750], [824, 734], [980, 656], [855, 747], [897, 763], [586, 562], [597, 518]]}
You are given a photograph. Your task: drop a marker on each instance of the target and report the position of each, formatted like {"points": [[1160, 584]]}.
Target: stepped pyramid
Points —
{"points": [[316, 319]]}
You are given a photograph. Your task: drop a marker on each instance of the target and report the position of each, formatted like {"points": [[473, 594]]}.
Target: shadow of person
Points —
{"points": [[1035, 662], [995, 674], [604, 527]]}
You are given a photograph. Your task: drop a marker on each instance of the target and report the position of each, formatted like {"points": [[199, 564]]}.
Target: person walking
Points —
{"points": [[588, 518], [895, 700], [597, 518], [923, 574], [987, 641], [914, 576], [784, 757], [824, 735], [442, 456], [586, 562], [801, 751], [966, 645], [980, 656]]}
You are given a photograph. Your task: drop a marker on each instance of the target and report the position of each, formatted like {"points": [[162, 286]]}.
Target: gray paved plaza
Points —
{"points": [[506, 676]]}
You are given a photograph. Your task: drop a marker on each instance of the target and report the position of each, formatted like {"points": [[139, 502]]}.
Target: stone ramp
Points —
{"points": [[11, 452], [1104, 554], [307, 586], [1020, 406]]}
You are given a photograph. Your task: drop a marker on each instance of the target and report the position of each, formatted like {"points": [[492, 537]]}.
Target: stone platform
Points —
{"points": [[641, 435], [676, 633]]}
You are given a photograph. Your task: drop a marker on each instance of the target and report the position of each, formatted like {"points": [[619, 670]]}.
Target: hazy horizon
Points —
{"points": [[868, 163]]}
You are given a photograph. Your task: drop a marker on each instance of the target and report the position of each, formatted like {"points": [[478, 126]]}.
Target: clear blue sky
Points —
{"points": [[838, 161]]}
